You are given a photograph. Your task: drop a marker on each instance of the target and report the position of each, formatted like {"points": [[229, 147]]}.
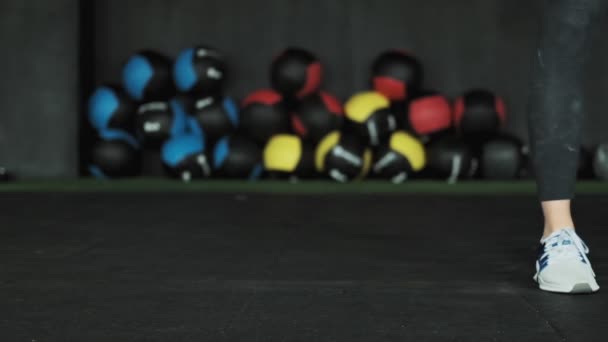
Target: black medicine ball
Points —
{"points": [[216, 117], [296, 72], [147, 77], [263, 115], [479, 114], [115, 155], [158, 121], [201, 71], [316, 116], [5, 175], [502, 158], [600, 162], [450, 158], [585, 163], [237, 157]]}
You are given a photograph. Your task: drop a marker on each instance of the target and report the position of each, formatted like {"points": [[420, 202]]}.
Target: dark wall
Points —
{"points": [[463, 44], [38, 87]]}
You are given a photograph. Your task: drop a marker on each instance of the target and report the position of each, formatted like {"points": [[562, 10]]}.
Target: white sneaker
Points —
{"points": [[563, 265]]}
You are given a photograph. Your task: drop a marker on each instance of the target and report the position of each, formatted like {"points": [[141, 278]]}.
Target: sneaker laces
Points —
{"points": [[567, 244]]}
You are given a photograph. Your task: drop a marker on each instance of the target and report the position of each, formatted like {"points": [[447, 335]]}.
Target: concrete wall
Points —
{"points": [[39, 87]]}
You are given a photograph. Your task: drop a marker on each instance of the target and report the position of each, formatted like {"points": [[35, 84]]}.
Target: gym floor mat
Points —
{"points": [[246, 266]]}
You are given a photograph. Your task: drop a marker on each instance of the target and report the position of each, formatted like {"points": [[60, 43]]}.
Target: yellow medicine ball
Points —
{"points": [[401, 157], [343, 157], [286, 154], [369, 115]]}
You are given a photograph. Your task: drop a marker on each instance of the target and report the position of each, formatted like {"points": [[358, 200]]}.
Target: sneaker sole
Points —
{"points": [[580, 288]]}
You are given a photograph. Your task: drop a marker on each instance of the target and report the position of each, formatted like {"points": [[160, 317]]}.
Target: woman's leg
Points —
{"points": [[557, 105], [555, 122], [557, 216]]}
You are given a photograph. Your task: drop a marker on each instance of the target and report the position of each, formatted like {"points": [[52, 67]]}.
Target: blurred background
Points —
{"points": [[57, 55]]}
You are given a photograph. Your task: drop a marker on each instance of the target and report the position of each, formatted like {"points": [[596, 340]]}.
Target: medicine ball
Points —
{"points": [[600, 161], [369, 115], [5, 175], [450, 158], [479, 114], [200, 70], [158, 121], [429, 114], [115, 155], [527, 171], [502, 158], [585, 163], [237, 157], [343, 157], [296, 72], [263, 115], [316, 116], [287, 156], [396, 75], [401, 157], [184, 157], [111, 108], [216, 116], [147, 77]]}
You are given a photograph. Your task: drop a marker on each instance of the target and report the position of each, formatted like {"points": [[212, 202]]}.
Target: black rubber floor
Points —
{"points": [[193, 267]]}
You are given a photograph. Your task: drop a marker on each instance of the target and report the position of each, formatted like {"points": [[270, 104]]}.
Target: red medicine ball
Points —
{"points": [[396, 75], [479, 114], [263, 115], [316, 116], [296, 73], [429, 114]]}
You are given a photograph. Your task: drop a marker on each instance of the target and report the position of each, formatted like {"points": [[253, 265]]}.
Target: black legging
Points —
{"points": [[556, 103]]}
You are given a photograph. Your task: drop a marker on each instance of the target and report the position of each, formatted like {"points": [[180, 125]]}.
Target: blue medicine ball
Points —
{"points": [[237, 157], [200, 70], [160, 120], [147, 77], [114, 155], [111, 108], [216, 116], [184, 157]]}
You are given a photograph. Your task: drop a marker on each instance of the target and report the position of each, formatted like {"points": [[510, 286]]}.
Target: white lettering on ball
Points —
{"points": [[203, 103], [337, 175], [385, 161], [201, 160], [151, 127], [214, 73], [340, 152], [153, 106]]}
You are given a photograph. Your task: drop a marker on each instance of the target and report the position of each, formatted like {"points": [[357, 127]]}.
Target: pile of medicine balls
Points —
{"points": [[396, 131]]}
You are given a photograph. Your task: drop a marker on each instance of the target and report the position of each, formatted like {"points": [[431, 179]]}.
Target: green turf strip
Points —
{"points": [[314, 187]]}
